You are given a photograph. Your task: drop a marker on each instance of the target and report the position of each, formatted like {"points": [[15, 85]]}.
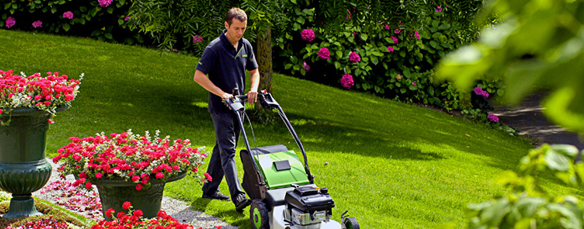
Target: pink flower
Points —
{"points": [[126, 205], [390, 49], [324, 53], [395, 41], [438, 9], [306, 66], [386, 26], [354, 57], [197, 39], [104, 3], [127, 18], [398, 77], [485, 94], [397, 31], [10, 22], [159, 175], [347, 81], [68, 15], [478, 90], [37, 24], [493, 118], [139, 187], [208, 177], [98, 175], [414, 83], [417, 34], [51, 121], [135, 178], [307, 35]]}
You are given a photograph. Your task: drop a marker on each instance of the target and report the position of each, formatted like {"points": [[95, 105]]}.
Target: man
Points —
{"points": [[224, 61]]}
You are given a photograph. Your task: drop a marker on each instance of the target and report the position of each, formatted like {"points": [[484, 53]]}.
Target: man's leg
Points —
{"points": [[227, 130], [216, 171]]}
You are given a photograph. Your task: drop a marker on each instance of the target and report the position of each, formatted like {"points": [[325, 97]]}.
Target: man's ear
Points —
{"points": [[226, 25]]}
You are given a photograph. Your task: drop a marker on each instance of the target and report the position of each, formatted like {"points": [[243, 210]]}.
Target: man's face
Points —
{"points": [[236, 29]]}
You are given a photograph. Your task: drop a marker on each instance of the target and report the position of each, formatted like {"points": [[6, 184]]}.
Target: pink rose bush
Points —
{"points": [[127, 156], [479, 91], [68, 15], [35, 91], [354, 57], [37, 24], [10, 21], [307, 35], [324, 53], [105, 3], [347, 81]]}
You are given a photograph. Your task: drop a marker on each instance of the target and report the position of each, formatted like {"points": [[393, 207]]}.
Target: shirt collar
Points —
{"points": [[226, 41]]}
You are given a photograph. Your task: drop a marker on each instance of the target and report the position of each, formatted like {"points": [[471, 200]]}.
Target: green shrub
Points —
{"points": [[70, 17]]}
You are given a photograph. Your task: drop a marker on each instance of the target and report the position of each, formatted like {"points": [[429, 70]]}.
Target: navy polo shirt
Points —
{"points": [[226, 67]]}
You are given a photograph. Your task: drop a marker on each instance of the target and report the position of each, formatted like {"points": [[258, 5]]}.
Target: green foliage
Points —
{"points": [[538, 45], [89, 18], [173, 24], [394, 62], [528, 205]]}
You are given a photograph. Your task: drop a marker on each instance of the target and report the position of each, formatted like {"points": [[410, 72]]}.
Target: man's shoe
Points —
{"points": [[217, 196], [241, 202]]}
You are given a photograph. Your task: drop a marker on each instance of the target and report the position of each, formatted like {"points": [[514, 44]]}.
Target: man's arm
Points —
{"points": [[252, 95], [202, 79]]}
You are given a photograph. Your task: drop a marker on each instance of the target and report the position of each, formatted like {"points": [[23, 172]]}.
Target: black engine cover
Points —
{"points": [[306, 198]]}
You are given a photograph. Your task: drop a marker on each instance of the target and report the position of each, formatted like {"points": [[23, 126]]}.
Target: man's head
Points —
{"points": [[235, 23]]}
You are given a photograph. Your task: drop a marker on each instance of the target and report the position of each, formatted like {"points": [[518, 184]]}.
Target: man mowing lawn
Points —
{"points": [[221, 69]]}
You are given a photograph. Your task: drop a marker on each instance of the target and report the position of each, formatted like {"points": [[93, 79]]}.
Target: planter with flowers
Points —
{"points": [[26, 106], [128, 167]]}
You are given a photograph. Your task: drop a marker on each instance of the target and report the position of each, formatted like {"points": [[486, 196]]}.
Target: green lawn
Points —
{"points": [[392, 165]]}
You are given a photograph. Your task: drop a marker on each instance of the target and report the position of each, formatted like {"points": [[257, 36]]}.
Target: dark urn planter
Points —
{"points": [[23, 165], [114, 192]]}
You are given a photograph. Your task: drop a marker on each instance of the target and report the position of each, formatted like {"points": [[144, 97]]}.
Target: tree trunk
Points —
{"points": [[264, 58], [264, 42]]}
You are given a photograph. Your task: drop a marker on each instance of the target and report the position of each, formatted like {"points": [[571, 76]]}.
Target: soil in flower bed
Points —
{"points": [[48, 213]]}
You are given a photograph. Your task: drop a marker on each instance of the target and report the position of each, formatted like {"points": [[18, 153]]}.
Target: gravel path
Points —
{"points": [[178, 209]]}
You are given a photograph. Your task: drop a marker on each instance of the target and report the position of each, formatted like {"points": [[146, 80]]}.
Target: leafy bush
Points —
{"points": [[396, 51], [106, 20], [528, 205]]}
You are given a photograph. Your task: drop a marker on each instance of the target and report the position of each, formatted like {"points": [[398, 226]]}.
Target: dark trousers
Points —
{"points": [[222, 161]]}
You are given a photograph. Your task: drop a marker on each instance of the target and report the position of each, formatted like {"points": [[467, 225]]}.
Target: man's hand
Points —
{"points": [[226, 96], [252, 97]]}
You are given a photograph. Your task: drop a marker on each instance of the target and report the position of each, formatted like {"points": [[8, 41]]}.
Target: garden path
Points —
{"points": [[530, 121], [178, 209]]}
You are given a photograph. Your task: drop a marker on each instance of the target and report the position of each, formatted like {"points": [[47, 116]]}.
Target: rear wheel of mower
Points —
{"points": [[258, 215], [350, 223]]}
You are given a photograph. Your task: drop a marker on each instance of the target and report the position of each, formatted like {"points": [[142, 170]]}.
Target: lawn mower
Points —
{"points": [[282, 190]]}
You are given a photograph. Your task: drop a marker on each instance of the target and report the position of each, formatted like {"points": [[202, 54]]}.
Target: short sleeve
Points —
{"points": [[251, 61], [207, 60]]}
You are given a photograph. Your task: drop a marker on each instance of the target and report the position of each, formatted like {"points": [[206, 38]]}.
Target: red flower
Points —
{"points": [[135, 178], [159, 175], [98, 175], [88, 185], [126, 205], [110, 212], [208, 177], [139, 187], [138, 213]]}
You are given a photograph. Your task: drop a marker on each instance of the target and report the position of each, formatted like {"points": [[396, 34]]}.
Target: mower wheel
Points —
{"points": [[350, 223], [258, 215]]}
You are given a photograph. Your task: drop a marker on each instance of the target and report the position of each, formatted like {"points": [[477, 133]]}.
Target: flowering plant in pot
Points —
{"points": [[129, 167], [134, 219], [128, 156], [37, 92]]}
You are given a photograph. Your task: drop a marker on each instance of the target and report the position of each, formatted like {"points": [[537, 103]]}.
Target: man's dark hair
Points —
{"points": [[236, 13]]}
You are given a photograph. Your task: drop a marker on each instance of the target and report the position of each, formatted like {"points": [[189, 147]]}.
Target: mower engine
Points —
{"points": [[307, 206]]}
